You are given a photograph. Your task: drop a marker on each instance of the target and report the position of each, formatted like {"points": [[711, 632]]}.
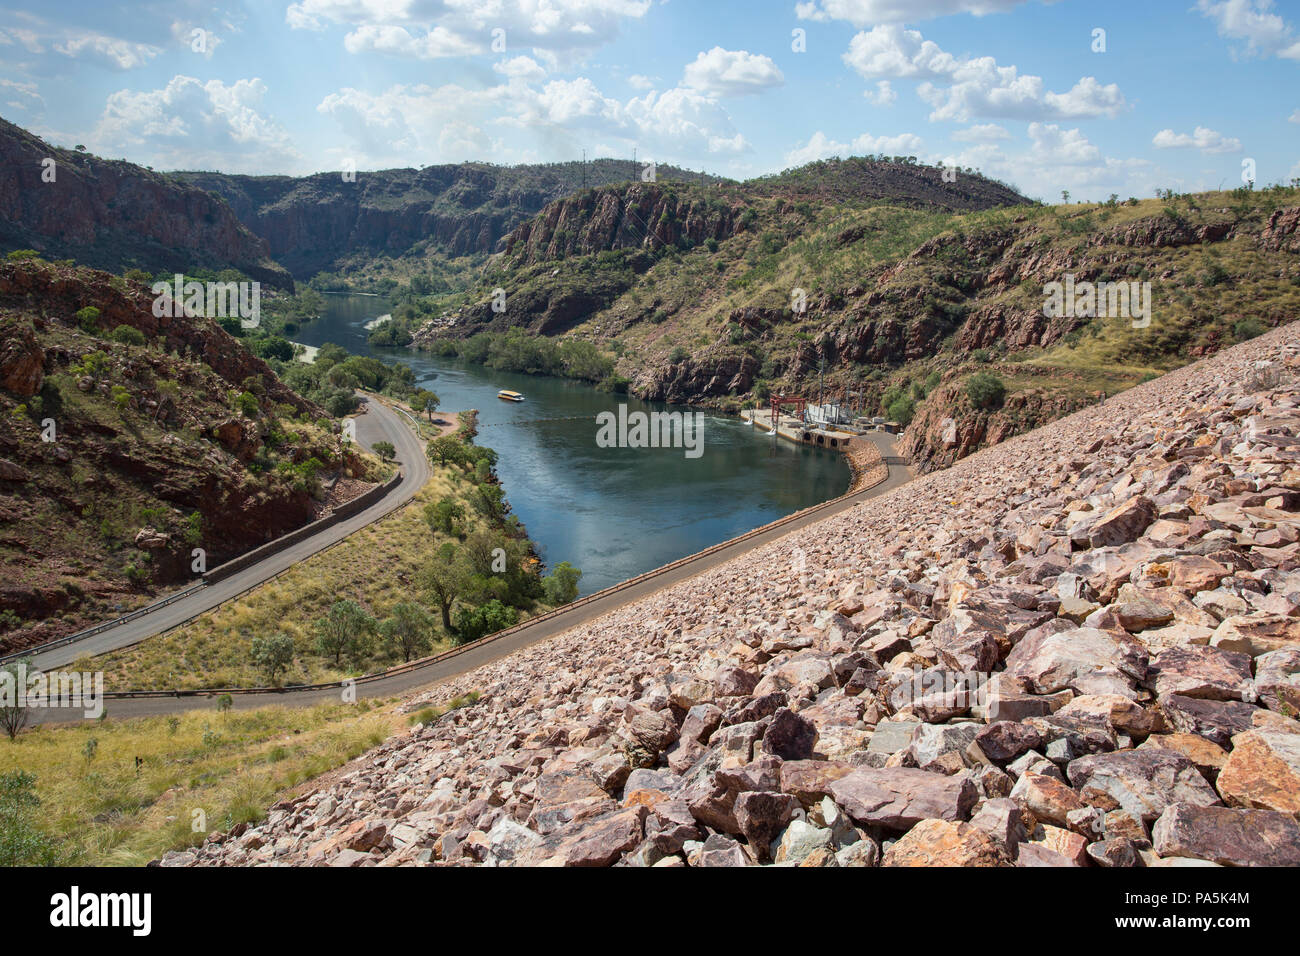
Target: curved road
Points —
{"points": [[490, 649], [378, 423]]}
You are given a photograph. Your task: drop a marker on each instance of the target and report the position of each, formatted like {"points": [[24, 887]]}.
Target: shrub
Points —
{"points": [[272, 655], [88, 319], [128, 335], [247, 404], [22, 841], [986, 390], [1248, 328], [488, 619], [561, 585], [901, 410]]}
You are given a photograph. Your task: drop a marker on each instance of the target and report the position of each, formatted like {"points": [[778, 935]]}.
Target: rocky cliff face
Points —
{"points": [[315, 222], [115, 215], [947, 428], [1080, 647], [637, 216]]}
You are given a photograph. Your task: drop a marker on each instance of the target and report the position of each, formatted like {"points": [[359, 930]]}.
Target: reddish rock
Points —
{"points": [[897, 798], [1263, 771], [1226, 836], [945, 843]]}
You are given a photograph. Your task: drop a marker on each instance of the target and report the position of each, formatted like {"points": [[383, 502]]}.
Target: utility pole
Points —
{"points": [[821, 381]]}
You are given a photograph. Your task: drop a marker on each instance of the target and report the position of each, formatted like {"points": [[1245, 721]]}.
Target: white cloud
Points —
{"points": [[731, 73], [968, 87], [682, 121], [561, 116], [1295, 117], [427, 29], [399, 41], [1265, 33], [523, 68], [1206, 140], [862, 12], [192, 124], [821, 146], [1054, 146], [639, 82], [107, 51], [26, 93], [982, 133], [884, 95]]}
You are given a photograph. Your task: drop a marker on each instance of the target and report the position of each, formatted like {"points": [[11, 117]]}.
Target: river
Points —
{"points": [[613, 512]]}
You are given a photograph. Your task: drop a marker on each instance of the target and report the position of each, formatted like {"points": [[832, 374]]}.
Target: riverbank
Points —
{"points": [[866, 465]]}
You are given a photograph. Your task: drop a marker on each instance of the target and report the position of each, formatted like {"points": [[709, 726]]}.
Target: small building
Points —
{"points": [[831, 413]]}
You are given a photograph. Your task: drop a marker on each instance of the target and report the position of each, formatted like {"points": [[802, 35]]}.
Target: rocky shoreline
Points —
{"points": [[1077, 648]]}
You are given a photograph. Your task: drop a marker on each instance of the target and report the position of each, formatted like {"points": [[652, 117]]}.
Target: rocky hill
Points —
{"points": [[114, 215], [1080, 647], [127, 440], [723, 295], [317, 223]]}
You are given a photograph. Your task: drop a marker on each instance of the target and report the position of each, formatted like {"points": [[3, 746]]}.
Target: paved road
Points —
{"points": [[490, 649], [378, 423]]}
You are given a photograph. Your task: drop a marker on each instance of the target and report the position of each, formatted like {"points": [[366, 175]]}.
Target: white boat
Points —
{"points": [[510, 396]]}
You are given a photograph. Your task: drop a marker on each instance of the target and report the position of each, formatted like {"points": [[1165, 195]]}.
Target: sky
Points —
{"points": [[1089, 97]]}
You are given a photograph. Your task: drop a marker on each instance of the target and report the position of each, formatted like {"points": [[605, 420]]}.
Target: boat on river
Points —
{"points": [[510, 396]]}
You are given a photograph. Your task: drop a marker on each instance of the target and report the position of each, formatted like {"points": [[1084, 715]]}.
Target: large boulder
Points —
{"points": [[22, 361], [1052, 660], [1263, 771], [1229, 837], [946, 843], [1142, 782], [897, 798], [1195, 671]]}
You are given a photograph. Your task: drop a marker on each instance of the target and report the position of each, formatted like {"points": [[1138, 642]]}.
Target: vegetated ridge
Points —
{"points": [[128, 439], [115, 215]]}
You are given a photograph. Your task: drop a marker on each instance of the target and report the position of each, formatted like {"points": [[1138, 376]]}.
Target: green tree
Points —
{"points": [[247, 404], [561, 585], [423, 400], [490, 501], [986, 390], [13, 717], [22, 841], [344, 630], [128, 335], [446, 578], [88, 320], [443, 514], [446, 450], [272, 656], [121, 397], [473, 623], [407, 631], [385, 450]]}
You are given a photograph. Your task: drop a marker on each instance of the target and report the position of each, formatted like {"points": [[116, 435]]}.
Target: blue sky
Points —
{"points": [[1184, 92]]}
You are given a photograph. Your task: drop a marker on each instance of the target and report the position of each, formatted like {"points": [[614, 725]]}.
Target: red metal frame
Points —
{"points": [[800, 405]]}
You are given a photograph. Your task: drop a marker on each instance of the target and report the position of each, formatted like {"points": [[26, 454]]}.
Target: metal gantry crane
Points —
{"points": [[799, 404]]}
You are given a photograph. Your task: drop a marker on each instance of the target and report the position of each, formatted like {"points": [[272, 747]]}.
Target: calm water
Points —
{"points": [[613, 512]]}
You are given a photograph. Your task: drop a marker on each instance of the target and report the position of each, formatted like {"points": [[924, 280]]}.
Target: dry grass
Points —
{"points": [[377, 566], [198, 773]]}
